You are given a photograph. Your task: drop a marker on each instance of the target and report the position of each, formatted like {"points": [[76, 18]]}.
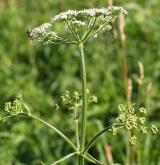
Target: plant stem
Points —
{"points": [[91, 142], [72, 31], [96, 32], [77, 133], [76, 120], [45, 123], [84, 84], [128, 149], [56, 130], [88, 32], [64, 158], [95, 161]]}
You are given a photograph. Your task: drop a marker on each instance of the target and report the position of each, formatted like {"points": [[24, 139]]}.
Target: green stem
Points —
{"points": [[64, 158], [96, 137], [89, 31], [75, 31], [91, 158], [56, 130], [7, 117], [45, 123], [50, 126], [72, 31], [84, 86], [96, 32], [81, 160], [77, 133], [128, 161], [76, 119]]}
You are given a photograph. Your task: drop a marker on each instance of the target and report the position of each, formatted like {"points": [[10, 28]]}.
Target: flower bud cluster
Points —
{"points": [[133, 140], [70, 101], [13, 108], [154, 129], [91, 98], [16, 107], [114, 130], [133, 120]]}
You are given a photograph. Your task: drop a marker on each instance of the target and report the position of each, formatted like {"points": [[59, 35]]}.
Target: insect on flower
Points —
{"points": [[29, 33]]}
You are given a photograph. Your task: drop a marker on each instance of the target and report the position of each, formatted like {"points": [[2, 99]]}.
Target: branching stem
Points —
{"points": [[89, 31], [64, 158], [45, 123], [92, 141], [96, 32], [56, 130]]}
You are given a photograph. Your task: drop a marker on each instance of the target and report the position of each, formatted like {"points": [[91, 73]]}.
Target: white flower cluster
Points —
{"points": [[81, 24], [43, 28], [106, 13], [78, 23], [42, 34], [65, 15]]}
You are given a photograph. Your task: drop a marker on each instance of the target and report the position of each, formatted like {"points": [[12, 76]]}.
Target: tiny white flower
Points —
{"points": [[63, 16], [95, 36], [78, 23]]}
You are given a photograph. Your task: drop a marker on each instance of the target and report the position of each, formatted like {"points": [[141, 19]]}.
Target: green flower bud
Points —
{"points": [[133, 140], [154, 129]]}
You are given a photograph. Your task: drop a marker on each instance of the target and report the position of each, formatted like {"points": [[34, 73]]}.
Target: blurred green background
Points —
{"points": [[42, 74]]}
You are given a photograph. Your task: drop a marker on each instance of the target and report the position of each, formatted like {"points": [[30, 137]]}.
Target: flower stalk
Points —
{"points": [[84, 109], [77, 126], [84, 86]]}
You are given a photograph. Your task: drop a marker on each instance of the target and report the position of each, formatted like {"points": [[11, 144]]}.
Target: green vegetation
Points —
{"points": [[119, 70]]}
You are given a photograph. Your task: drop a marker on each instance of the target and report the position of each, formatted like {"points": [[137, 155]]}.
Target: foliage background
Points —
{"points": [[41, 74]]}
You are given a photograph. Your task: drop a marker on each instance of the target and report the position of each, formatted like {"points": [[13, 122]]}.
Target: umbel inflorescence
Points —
{"points": [[71, 102], [134, 120], [79, 25]]}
